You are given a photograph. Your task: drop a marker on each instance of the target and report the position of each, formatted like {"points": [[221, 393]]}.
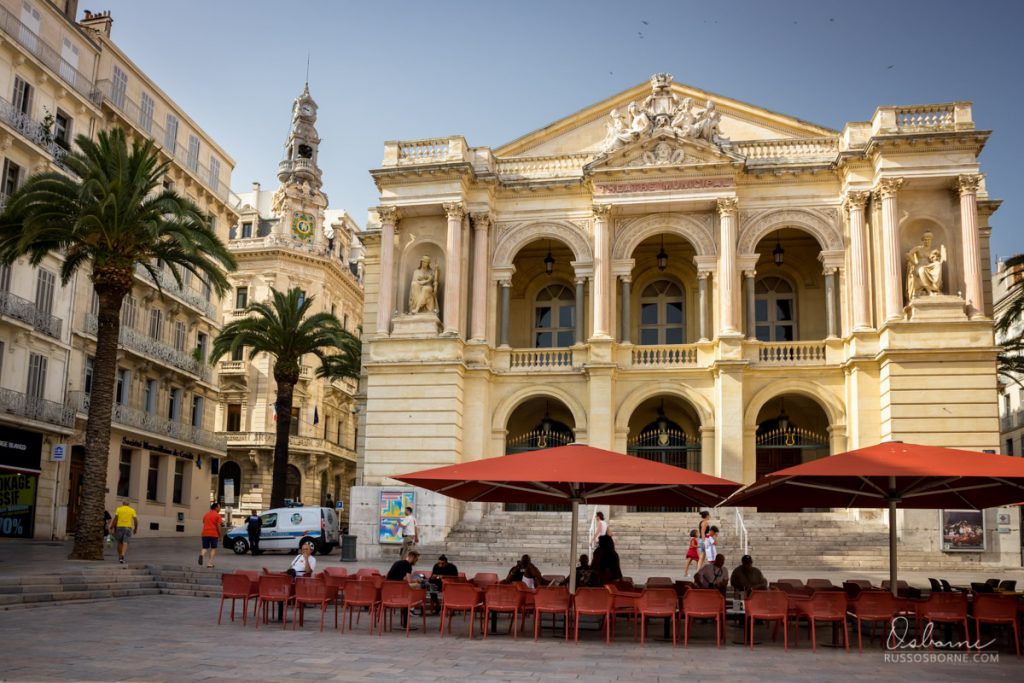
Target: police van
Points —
{"points": [[289, 528]]}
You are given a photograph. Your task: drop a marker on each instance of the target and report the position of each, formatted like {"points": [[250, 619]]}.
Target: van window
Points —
{"points": [[269, 520]]}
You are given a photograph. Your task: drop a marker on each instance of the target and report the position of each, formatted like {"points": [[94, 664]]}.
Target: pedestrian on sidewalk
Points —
{"points": [[599, 528], [410, 535], [124, 524], [692, 554], [702, 533], [254, 526], [211, 534], [711, 544]]}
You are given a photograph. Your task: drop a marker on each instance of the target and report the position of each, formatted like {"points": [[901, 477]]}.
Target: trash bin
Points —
{"points": [[348, 548]]}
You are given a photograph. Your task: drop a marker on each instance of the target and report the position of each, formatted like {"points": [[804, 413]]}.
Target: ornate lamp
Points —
{"points": [[545, 423], [549, 261], [778, 253], [783, 419], [662, 256]]}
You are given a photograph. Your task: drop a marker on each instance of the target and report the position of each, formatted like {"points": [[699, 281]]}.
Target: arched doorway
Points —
{"points": [[791, 429], [536, 424], [229, 470], [665, 429], [791, 297], [542, 305], [293, 485]]}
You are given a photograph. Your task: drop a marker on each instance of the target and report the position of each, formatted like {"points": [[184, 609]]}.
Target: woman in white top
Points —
{"points": [[598, 529], [304, 563]]}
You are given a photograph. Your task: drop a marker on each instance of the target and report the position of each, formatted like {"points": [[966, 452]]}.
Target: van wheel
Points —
{"points": [[312, 542], [240, 546], [325, 548]]}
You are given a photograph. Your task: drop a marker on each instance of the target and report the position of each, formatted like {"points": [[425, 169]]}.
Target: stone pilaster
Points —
{"points": [[389, 216], [891, 267], [859, 290], [967, 186], [478, 314], [453, 263], [602, 272], [728, 322]]}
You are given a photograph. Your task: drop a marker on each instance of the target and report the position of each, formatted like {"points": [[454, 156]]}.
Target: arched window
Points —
{"points": [[293, 484], [554, 318], [661, 314], [775, 310]]}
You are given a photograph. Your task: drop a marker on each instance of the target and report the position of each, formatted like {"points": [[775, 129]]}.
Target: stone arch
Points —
{"points": [[507, 406], [757, 224], [704, 409], [517, 237], [629, 234], [822, 396]]}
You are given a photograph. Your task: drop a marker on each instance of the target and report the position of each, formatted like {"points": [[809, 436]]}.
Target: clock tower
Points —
{"points": [[299, 201]]}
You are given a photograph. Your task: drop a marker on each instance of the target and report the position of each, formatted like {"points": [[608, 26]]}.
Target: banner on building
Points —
{"points": [[20, 450], [392, 509], [17, 505]]}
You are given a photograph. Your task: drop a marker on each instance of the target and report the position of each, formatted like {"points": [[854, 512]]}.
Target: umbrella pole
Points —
{"points": [[892, 546], [572, 545]]}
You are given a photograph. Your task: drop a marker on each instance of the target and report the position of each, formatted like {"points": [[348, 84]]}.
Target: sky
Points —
{"points": [[493, 71]]}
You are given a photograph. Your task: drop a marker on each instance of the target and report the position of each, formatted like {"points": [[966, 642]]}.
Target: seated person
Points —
{"points": [[747, 577], [304, 563], [401, 570], [605, 564], [584, 573], [713, 575], [525, 571], [442, 568]]}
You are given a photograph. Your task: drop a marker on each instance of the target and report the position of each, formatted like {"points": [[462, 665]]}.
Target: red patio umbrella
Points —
{"points": [[890, 475], [573, 474]]}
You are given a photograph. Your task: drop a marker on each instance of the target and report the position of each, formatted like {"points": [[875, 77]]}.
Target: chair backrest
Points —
{"points": [[659, 582], [995, 608], [992, 582], [935, 585], [623, 585], [946, 603], [593, 600], [394, 591], [876, 603], [485, 579], [251, 573], [338, 582], [335, 571], [310, 589], [502, 596], [460, 594], [1007, 585], [368, 571], [982, 587], [852, 589], [376, 579], [446, 580], [659, 600], [795, 583], [552, 598], [820, 584], [865, 584], [360, 592], [946, 588], [703, 601], [554, 579], [275, 585], [767, 602], [235, 584], [828, 604]]}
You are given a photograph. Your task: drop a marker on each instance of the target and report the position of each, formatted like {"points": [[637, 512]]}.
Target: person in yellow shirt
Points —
{"points": [[124, 524]]}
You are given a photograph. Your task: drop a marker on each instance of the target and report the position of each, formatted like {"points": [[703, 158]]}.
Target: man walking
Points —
{"points": [[211, 534], [254, 526], [410, 536], [124, 524]]}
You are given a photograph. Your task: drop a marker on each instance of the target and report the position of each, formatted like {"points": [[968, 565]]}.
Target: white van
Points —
{"points": [[289, 528]]}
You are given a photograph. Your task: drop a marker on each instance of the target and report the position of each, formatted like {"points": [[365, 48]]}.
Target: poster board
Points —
{"points": [[17, 504], [963, 531], [392, 509]]}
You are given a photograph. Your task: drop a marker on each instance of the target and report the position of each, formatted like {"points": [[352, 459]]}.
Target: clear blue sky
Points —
{"points": [[492, 71]]}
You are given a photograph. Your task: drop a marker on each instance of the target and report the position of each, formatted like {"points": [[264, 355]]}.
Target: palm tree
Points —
{"points": [[1010, 361], [282, 329], [111, 214]]}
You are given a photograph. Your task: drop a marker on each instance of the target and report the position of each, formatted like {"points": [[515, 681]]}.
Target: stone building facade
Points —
{"points": [[284, 239], [67, 78], [685, 277]]}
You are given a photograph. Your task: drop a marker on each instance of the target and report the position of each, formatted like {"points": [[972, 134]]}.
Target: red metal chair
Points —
{"points": [[398, 595], [550, 600], [767, 606], [946, 608], [311, 591], [996, 609], [528, 595], [595, 602], [360, 595], [821, 585], [336, 590], [460, 596], [504, 599], [659, 582], [254, 580], [484, 579], [829, 606], [368, 571], [236, 587], [335, 571], [872, 606], [275, 589], [657, 602], [704, 603], [624, 603]]}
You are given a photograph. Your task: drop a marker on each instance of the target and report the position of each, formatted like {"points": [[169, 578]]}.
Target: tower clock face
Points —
{"points": [[306, 110], [303, 226]]}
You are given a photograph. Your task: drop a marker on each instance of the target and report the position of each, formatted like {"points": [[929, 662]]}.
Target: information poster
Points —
{"points": [[392, 509], [963, 530], [17, 505]]}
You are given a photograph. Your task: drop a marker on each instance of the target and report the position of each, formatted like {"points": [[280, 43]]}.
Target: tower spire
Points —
{"points": [[302, 146]]}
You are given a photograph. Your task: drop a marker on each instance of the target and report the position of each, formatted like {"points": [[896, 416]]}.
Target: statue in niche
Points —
{"points": [[924, 268], [423, 289]]}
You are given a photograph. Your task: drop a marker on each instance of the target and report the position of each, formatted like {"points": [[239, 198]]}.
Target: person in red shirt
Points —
{"points": [[211, 534]]}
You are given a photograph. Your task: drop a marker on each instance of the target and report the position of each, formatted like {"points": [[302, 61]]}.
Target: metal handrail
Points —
{"points": [[30, 40], [34, 131], [741, 529], [161, 352], [27, 312], [130, 416], [34, 408]]}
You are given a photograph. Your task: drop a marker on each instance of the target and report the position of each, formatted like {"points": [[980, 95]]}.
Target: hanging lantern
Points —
{"points": [[783, 419], [549, 261], [662, 256], [778, 253]]}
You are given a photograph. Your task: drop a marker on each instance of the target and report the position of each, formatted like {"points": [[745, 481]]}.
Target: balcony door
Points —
{"points": [[554, 317], [775, 310], [661, 314]]}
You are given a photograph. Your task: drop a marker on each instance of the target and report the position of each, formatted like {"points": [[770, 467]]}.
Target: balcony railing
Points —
{"points": [[146, 345], [1011, 420], [427, 151], [306, 373], [129, 416], [232, 367], [33, 130], [170, 286], [118, 100], [667, 356], [27, 312], [303, 443], [792, 353], [30, 40], [22, 405], [272, 241]]}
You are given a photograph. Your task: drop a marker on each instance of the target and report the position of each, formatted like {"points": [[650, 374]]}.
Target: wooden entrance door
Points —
{"points": [[77, 470]]}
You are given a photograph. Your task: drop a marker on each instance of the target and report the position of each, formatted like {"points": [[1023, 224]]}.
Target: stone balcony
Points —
{"points": [[296, 443], [29, 40], [166, 283], [15, 403], [233, 368], [152, 423], [154, 349], [23, 310]]}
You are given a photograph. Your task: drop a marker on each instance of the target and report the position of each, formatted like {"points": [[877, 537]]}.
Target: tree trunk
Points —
{"points": [[285, 392], [89, 535]]}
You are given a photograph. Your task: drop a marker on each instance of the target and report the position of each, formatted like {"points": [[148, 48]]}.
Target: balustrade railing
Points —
{"points": [[801, 150], [306, 373], [169, 285], [543, 167], [667, 356], [232, 367], [270, 241], [129, 416], [30, 40], [27, 312], [269, 439], [926, 117], [540, 359], [423, 151], [32, 408], [136, 341], [792, 353]]}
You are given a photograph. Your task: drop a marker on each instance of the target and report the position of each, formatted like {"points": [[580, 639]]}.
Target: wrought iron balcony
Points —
{"points": [[13, 306], [170, 286], [129, 416], [33, 130], [30, 40], [295, 442], [165, 354], [22, 405]]}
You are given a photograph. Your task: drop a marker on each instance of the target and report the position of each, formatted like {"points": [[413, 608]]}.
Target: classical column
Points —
{"points": [[581, 311], [967, 185], [602, 271], [727, 267], [887, 189], [748, 290], [389, 216], [478, 326], [859, 290], [626, 281], [830, 301], [506, 289], [702, 301], [453, 261]]}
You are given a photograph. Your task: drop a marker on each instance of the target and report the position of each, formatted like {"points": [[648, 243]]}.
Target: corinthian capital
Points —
{"points": [[389, 214], [727, 206], [888, 187], [601, 211], [454, 210], [856, 200], [481, 221], [967, 183]]}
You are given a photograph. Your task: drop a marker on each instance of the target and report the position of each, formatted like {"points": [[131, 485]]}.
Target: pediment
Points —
{"points": [[662, 150]]}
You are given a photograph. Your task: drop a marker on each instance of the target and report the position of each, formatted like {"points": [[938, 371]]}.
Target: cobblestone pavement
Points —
{"points": [[166, 638]]}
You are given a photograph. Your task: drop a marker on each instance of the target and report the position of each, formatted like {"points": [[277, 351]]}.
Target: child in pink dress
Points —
{"points": [[691, 554]]}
